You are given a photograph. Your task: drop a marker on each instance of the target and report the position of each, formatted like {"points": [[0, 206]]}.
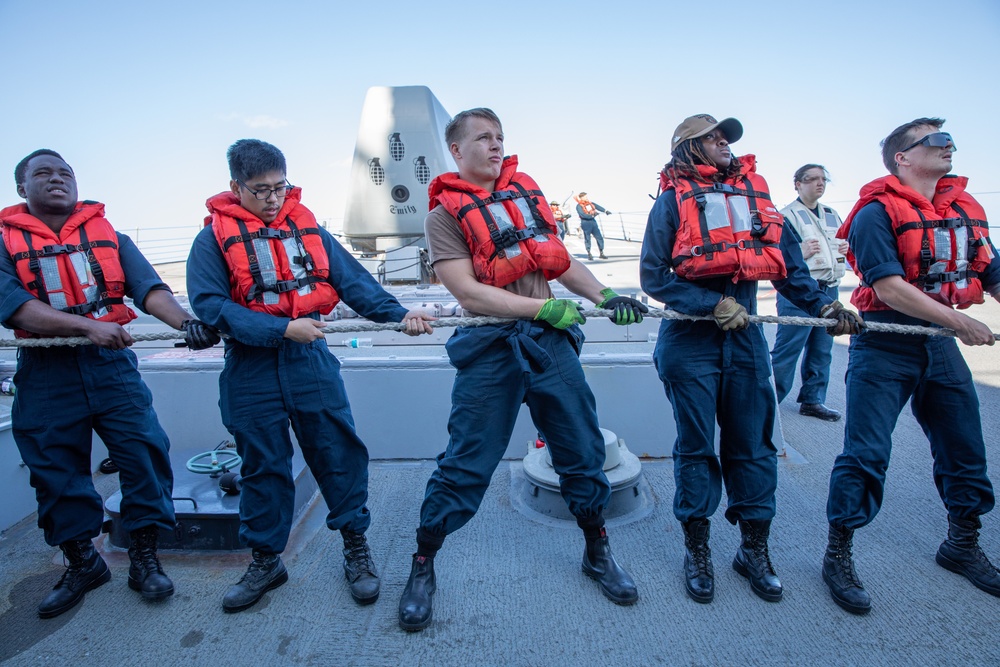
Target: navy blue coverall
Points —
{"points": [[64, 394], [589, 227], [884, 371], [269, 381], [498, 368], [710, 375]]}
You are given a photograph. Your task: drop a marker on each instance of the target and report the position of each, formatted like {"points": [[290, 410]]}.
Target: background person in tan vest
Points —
{"points": [[816, 227]]}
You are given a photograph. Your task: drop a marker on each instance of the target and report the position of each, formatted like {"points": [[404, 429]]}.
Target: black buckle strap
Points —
{"points": [[258, 289], [91, 306], [55, 249], [697, 189], [933, 279]]}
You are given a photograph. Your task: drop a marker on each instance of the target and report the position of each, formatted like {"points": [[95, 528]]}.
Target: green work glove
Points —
{"points": [[730, 315], [561, 313], [848, 322], [627, 310]]}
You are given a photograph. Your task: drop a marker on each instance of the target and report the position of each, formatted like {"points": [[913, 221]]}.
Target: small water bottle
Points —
{"points": [[357, 342], [7, 386]]}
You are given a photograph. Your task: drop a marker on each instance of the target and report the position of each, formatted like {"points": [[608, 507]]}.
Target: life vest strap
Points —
{"points": [[91, 306], [698, 189], [265, 233], [743, 244], [281, 287], [931, 280], [61, 249], [944, 223], [499, 196], [505, 238]]}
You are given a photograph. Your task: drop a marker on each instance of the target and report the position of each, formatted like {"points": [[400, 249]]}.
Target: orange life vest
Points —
{"points": [[280, 269], [942, 244], [588, 206], [557, 212], [76, 271], [727, 228], [510, 232]]}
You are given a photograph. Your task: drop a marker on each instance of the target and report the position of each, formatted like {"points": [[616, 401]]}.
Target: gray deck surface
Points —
{"points": [[510, 590]]}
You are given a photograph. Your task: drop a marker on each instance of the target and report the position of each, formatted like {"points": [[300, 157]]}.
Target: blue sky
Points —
{"points": [[144, 98]]}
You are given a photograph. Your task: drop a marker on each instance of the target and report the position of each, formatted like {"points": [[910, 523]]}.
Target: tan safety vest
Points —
{"points": [[827, 265]]}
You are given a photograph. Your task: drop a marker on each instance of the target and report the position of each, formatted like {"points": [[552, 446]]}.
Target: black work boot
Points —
{"points": [[415, 610], [840, 575], [589, 256], [754, 562], [359, 568], [962, 554], [85, 571], [146, 574], [266, 571], [699, 574], [602, 255], [600, 564]]}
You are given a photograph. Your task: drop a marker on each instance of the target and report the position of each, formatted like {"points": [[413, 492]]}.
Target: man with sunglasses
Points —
{"points": [[919, 243], [263, 271]]}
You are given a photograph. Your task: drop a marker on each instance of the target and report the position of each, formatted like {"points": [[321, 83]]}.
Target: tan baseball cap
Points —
{"points": [[702, 124]]}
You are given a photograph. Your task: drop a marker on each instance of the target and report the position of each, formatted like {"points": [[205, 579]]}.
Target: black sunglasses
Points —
{"points": [[935, 140]]}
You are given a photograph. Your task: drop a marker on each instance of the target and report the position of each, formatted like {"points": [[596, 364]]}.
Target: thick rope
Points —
{"points": [[361, 326]]}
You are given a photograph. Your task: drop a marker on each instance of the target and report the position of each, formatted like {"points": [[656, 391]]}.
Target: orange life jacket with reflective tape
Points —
{"points": [[942, 244], [76, 271], [281, 269], [510, 232], [727, 228]]}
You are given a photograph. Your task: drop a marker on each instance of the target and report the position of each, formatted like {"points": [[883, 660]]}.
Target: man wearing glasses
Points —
{"points": [[263, 271], [816, 227], [919, 242]]}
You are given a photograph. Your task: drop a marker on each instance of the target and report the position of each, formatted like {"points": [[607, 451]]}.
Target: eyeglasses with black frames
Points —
{"points": [[934, 140], [809, 180], [264, 193]]}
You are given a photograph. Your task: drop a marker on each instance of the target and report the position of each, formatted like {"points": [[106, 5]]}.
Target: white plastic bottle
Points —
{"points": [[357, 342]]}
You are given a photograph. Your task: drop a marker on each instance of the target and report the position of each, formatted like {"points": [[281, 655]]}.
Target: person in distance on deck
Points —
{"points": [[816, 225]]}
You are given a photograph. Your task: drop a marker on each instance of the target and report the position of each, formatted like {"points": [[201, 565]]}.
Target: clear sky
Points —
{"points": [[143, 98]]}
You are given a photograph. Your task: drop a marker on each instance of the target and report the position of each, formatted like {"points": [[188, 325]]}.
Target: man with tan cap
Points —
{"points": [[561, 217], [587, 210], [712, 234]]}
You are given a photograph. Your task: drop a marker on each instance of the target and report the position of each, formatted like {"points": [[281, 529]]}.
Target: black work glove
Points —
{"points": [[607, 212], [198, 335], [626, 309], [848, 322]]}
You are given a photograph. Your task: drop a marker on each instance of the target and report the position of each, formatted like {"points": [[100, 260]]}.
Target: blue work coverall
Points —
{"points": [[498, 368], [269, 382], [589, 227], [64, 395], [714, 376], [884, 371], [815, 346]]}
